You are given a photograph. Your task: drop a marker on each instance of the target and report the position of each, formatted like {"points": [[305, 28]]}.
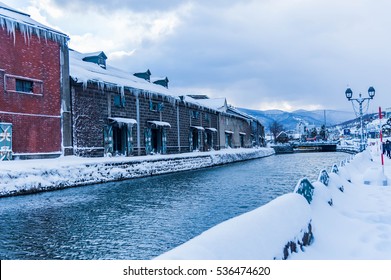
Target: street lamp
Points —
{"points": [[360, 100]]}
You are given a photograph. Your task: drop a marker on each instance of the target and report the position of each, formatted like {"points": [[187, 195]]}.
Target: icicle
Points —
{"points": [[85, 85], [28, 30], [122, 89]]}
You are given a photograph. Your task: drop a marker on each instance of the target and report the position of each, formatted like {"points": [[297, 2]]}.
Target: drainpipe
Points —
{"points": [[218, 131], [138, 125], [177, 124], [109, 105]]}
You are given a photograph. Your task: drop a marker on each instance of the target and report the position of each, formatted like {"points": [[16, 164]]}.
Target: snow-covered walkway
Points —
{"points": [[29, 176], [350, 219]]}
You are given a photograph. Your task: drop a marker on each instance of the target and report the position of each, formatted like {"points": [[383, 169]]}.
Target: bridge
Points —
{"points": [[297, 147], [314, 146]]}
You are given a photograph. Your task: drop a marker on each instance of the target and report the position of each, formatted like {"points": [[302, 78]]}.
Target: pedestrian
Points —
{"points": [[388, 148]]}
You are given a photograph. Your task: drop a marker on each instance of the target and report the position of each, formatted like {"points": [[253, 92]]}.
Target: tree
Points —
{"points": [[275, 128], [314, 132]]}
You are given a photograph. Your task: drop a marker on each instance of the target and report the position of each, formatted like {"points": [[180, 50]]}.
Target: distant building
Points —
{"points": [[282, 137], [236, 128], [34, 92], [388, 113]]}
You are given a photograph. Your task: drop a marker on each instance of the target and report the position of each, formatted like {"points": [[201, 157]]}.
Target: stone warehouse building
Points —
{"points": [[34, 79], [119, 113], [236, 129]]}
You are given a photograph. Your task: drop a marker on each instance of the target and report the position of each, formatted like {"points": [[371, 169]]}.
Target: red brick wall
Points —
{"points": [[35, 116]]}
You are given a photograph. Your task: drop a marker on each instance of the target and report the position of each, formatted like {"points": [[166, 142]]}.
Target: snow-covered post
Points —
{"points": [[305, 188]]}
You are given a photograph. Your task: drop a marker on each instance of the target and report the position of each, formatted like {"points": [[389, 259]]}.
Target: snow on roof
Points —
{"points": [[211, 129], [218, 104], [154, 79], [198, 127], [158, 123], [98, 53], [84, 72], [6, 7], [12, 19], [124, 120]]}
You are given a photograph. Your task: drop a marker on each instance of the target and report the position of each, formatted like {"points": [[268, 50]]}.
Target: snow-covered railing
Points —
{"points": [[324, 177], [307, 189]]}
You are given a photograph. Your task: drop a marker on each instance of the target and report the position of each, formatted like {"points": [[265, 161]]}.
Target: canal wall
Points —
{"points": [[31, 176], [280, 228]]}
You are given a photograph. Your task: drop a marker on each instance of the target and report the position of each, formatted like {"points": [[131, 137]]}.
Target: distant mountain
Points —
{"points": [[291, 119]]}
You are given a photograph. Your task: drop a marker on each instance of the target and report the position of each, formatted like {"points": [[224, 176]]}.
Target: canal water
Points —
{"points": [[143, 218]]}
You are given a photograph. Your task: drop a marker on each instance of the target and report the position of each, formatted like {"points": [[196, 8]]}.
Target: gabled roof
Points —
{"points": [[96, 57], [144, 75], [95, 54], [160, 81], [12, 19], [282, 134]]}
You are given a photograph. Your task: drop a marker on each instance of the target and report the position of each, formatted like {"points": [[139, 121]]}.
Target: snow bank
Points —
{"points": [[358, 224], [347, 218], [22, 177], [258, 234]]}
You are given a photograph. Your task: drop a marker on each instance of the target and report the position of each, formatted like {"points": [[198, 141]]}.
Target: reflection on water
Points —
{"points": [[142, 218]]}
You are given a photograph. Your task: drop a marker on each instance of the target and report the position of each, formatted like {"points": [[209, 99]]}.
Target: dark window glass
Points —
{"points": [[119, 101], [24, 86], [195, 115]]}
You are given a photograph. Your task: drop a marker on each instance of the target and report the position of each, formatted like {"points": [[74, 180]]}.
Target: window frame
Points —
{"points": [[10, 82]]}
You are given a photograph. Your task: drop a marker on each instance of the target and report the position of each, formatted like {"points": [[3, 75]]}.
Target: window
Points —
{"points": [[119, 101], [20, 84], [206, 117], [195, 115], [24, 86], [156, 107]]}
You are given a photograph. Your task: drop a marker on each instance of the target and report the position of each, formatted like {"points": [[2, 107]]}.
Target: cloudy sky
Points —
{"points": [[261, 54]]}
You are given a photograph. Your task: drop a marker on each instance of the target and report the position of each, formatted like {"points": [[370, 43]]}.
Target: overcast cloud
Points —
{"points": [[284, 54]]}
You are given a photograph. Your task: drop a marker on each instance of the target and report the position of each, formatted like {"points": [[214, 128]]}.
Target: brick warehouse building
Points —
{"points": [[119, 113], [34, 86]]}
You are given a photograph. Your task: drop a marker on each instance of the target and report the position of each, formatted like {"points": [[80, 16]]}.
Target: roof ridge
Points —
{"points": [[8, 8]]}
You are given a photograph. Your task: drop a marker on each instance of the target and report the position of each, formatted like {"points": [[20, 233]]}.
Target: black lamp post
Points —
{"points": [[360, 100]]}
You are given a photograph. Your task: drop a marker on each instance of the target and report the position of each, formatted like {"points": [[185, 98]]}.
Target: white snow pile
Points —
{"points": [[29, 176], [349, 216], [258, 234]]}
